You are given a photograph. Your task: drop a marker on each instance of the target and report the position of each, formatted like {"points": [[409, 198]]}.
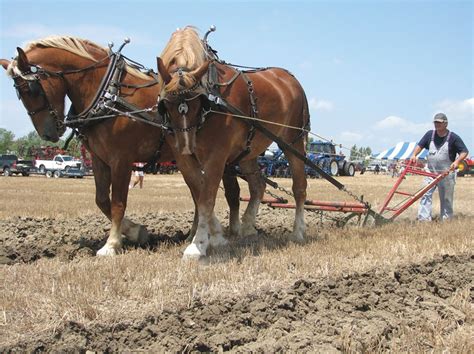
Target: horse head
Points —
{"points": [[183, 99], [41, 91]]}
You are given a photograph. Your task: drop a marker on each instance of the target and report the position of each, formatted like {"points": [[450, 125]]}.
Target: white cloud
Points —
{"points": [[396, 124], [350, 137], [457, 111], [306, 65], [320, 105]]}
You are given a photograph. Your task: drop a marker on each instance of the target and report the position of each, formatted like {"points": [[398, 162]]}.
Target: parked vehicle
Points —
{"points": [[10, 165], [466, 167], [324, 155], [373, 167], [73, 172], [59, 163]]}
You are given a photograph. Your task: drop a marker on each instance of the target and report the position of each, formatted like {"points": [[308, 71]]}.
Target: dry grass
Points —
{"points": [[39, 297]]}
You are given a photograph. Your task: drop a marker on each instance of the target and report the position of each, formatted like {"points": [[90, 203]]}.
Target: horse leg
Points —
{"points": [[120, 181], [257, 187], [232, 194], [133, 232], [206, 201], [192, 175], [299, 191]]}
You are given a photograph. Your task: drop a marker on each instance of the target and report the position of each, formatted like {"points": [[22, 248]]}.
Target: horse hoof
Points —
{"points": [[135, 233], [107, 251], [143, 235], [192, 252], [297, 238], [218, 241], [248, 231]]}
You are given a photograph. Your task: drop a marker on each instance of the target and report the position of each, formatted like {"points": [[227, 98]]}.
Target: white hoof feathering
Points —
{"points": [[218, 240], [193, 252], [108, 250], [299, 230]]}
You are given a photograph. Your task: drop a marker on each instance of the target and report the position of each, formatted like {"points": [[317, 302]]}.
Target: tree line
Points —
{"points": [[25, 146], [360, 153]]}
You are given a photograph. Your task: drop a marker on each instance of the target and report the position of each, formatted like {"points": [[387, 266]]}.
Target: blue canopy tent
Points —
{"points": [[401, 151]]}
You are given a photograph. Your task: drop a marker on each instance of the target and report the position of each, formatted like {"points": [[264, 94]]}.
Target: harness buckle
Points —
{"points": [[216, 99]]}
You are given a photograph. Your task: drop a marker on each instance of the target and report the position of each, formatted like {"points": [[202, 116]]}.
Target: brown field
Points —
{"points": [[404, 286]]}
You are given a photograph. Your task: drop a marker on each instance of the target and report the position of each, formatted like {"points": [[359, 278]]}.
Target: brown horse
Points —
{"points": [[216, 137], [50, 69]]}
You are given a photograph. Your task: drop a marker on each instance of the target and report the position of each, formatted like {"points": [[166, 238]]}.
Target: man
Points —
{"points": [[446, 150]]}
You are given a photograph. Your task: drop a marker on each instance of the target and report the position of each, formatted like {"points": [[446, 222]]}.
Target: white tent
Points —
{"points": [[401, 151]]}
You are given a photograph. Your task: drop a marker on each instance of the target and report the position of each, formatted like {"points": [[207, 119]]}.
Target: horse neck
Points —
{"points": [[83, 87]]}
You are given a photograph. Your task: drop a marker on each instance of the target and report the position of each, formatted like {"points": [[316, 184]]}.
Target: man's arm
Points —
{"points": [[417, 150], [456, 162], [461, 151]]}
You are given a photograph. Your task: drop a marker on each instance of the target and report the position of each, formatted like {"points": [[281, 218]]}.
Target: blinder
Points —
{"points": [[161, 106], [35, 88]]}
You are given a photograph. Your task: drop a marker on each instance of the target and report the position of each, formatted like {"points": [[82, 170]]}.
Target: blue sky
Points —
{"points": [[374, 72]]}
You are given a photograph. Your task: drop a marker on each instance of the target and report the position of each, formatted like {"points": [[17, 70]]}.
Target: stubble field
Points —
{"points": [[404, 286]]}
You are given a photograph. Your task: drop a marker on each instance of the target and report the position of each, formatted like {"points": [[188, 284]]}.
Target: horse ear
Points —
{"points": [[22, 60], [198, 74], [165, 75], [4, 63]]}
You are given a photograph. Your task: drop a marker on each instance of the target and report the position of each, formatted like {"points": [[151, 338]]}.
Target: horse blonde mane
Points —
{"points": [[70, 44], [76, 46], [184, 50]]}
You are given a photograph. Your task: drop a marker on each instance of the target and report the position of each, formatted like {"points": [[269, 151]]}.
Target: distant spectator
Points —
{"points": [[377, 169], [395, 170], [139, 175]]}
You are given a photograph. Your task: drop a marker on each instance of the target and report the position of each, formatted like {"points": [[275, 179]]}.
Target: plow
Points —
{"points": [[360, 213]]}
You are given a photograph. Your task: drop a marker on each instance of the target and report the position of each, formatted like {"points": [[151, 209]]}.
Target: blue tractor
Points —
{"points": [[324, 155]]}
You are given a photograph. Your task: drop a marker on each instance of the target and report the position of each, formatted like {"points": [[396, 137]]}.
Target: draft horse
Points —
{"points": [[102, 86], [211, 135]]}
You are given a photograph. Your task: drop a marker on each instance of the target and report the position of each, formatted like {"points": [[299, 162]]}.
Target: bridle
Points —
{"points": [[183, 97], [32, 81]]}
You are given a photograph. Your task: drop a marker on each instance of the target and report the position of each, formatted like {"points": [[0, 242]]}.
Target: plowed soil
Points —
{"points": [[370, 311]]}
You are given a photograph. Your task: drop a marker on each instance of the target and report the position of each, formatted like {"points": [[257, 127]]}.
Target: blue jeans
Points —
{"points": [[446, 196]]}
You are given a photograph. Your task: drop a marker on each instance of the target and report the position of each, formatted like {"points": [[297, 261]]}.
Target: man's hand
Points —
{"points": [[453, 166], [413, 160]]}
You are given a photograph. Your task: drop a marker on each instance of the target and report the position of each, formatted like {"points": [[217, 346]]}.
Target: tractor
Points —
{"points": [[324, 155], [466, 167]]}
